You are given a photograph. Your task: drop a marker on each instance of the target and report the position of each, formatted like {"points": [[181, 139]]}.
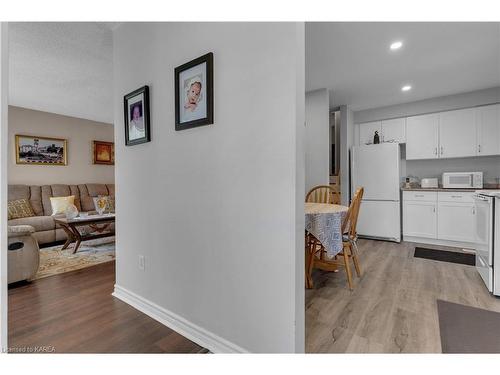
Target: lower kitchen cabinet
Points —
{"points": [[443, 216], [456, 222], [419, 219]]}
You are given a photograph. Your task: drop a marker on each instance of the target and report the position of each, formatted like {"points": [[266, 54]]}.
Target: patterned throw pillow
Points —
{"points": [[110, 203], [19, 208]]}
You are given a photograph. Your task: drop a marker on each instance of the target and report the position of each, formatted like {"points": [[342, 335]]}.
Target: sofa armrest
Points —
{"points": [[20, 230]]}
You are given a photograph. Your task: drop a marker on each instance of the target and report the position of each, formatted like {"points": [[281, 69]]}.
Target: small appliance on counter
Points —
{"points": [[410, 182], [429, 183], [463, 180]]}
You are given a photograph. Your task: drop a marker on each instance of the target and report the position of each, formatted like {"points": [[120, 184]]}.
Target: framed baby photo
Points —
{"points": [[137, 123], [194, 93], [104, 153]]}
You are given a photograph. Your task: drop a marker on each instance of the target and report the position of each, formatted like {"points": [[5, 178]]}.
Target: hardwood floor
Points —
{"points": [[75, 313], [392, 308]]}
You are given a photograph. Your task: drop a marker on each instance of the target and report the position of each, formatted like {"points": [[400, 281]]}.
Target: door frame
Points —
{"points": [[4, 88]]}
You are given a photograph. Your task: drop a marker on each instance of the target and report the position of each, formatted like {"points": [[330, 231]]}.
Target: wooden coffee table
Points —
{"points": [[100, 224]]}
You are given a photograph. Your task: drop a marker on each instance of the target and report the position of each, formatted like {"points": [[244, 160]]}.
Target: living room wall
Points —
{"points": [[217, 211], [79, 132]]}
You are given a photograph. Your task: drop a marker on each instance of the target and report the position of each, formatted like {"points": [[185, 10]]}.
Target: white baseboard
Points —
{"points": [[197, 334], [432, 241]]}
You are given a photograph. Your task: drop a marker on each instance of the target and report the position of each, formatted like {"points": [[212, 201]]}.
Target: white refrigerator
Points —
{"points": [[377, 169]]}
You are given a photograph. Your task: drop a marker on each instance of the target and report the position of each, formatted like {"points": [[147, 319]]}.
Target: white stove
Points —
{"points": [[487, 208]]}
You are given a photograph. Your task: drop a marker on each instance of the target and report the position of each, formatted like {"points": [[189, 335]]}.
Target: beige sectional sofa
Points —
{"points": [[39, 197]]}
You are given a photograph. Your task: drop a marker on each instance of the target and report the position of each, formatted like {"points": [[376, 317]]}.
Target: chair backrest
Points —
{"points": [[323, 194], [351, 219]]}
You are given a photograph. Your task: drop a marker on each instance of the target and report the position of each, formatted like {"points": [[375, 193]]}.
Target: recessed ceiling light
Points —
{"points": [[406, 88], [396, 45]]}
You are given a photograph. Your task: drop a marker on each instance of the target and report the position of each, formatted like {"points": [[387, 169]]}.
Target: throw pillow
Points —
{"points": [[110, 203], [19, 208], [59, 204]]}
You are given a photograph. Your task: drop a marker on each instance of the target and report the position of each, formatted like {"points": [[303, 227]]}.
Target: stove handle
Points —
{"points": [[480, 198]]}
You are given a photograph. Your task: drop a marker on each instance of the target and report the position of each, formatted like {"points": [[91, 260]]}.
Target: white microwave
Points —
{"points": [[463, 180]]}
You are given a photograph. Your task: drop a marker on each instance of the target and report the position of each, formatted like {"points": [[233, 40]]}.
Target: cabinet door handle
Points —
{"points": [[419, 195], [441, 150], [435, 151], [479, 149], [456, 196], [433, 208], [473, 210]]}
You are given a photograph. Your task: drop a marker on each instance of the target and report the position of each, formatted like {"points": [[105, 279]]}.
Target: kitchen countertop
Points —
{"points": [[417, 188]]}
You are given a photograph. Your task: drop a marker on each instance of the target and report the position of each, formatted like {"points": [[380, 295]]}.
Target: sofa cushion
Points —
{"points": [[19, 208], [40, 223], [111, 189], [59, 190]]}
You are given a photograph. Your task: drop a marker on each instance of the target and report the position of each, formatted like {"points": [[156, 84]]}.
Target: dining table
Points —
{"points": [[324, 222]]}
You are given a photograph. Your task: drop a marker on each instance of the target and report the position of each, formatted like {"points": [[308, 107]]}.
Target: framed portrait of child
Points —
{"points": [[194, 103], [137, 124]]}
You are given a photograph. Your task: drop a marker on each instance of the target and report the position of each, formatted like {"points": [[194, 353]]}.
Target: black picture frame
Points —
{"points": [[144, 91], [209, 118]]}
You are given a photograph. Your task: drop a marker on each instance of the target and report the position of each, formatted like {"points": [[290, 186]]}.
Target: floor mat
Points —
{"points": [[466, 329], [445, 256]]}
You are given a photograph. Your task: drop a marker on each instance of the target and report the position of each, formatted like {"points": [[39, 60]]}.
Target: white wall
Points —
{"points": [[317, 138], [489, 165], [346, 141], [216, 210], [79, 132], [4, 88]]}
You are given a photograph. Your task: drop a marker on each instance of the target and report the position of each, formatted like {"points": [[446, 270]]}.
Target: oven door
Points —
{"points": [[483, 206]]}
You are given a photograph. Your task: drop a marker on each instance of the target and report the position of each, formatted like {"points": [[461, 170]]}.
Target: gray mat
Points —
{"points": [[466, 329]]}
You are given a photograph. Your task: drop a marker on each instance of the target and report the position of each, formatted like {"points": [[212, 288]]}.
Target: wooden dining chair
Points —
{"points": [[324, 194], [350, 236], [316, 254]]}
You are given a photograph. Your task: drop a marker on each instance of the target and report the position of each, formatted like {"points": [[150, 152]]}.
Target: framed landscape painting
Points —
{"points": [[41, 150], [104, 153], [137, 123], [194, 102]]}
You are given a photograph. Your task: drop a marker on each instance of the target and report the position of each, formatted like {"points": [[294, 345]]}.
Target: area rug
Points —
{"points": [[54, 261], [466, 329], [445, 256]]}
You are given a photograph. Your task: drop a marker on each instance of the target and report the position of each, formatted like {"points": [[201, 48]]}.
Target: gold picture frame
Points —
{"points": [[35, 150], [103, 153]]}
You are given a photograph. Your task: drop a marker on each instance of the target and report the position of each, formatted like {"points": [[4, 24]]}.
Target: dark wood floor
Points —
{"points": [[75, 313]]}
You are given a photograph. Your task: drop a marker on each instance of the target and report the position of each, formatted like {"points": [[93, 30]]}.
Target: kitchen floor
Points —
{"points": [[392, 308]]}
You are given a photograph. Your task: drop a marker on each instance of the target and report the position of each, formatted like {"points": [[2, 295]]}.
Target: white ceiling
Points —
{"points": [[354, 62], [62, 67]]}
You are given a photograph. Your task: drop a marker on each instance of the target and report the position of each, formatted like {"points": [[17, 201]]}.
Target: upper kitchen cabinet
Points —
{"points": [[422, 137], [457, 134], [394, 130], [488, 130], [367, 132]]}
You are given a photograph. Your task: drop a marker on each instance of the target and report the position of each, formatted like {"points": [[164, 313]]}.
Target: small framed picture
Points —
{"points": [[104, 153], [194, 102], [41, 150], [136, 107]]}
